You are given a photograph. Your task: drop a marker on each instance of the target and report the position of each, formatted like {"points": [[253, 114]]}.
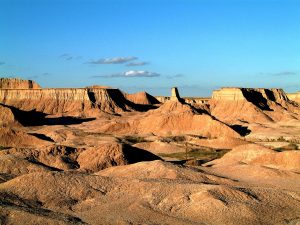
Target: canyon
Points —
{"points": [[98, 155]]}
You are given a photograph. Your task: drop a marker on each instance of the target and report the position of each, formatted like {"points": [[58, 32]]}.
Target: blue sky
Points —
{"points": [[152, 45]]}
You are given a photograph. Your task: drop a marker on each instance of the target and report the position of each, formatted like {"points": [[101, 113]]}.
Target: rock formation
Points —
{"points": [[111, 154], [11, 137], [90, 101], [15, 83], [68, 170], [6, 116], [66, 101], [294, 97], [175, 94], [171, 118], [254, 154], [233, 105], [145, 193], [142, 98]]}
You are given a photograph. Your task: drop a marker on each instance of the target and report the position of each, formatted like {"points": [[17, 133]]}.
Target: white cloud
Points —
{"points": [[115, 60], [137, 64], [131, 73]]}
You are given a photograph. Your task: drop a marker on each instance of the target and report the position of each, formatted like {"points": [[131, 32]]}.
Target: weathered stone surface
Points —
{"points": [[15, 83], [141, 98], [294, 96], [252, 105], [175, 94], [67, 101]]}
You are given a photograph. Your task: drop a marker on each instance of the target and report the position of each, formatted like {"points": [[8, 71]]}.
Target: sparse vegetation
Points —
{"points": [[173, 139], [3, 148], [204, 155], [281, 139], [289, 147], [133, 139]]}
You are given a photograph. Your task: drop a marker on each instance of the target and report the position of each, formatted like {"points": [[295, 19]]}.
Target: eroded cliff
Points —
{"points": [[252, 105], [16, 83], [67, 101], [294, 96]]}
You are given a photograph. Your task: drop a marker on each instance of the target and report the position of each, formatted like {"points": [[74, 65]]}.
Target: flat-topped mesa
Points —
{"points": [[259, 105], [228, 94], [294, 97], [250, 94], [100, 86], [175, 94], [16, 83], [67, 101], [27, 95]]}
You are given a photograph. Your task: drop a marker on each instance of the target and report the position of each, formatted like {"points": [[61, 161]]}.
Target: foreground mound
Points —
{"points": [[6, 116], [112, 154], [89, 159], [254, 154], [172, 118], [162, 170], [69, 198], [11, 137]]}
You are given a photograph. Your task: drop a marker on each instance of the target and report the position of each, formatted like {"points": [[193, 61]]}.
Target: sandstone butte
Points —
{"points": [[15, 83], [97, 155], [294, 96]]}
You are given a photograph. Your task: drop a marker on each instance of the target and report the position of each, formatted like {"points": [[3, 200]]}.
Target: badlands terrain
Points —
{"points": [[97, 155]]}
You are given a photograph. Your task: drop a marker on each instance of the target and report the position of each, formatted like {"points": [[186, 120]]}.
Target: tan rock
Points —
{"points": [[252, 105], [13, 137], [175, 94], [294, 97], [142, 98], [15, 83], [111, 154]]}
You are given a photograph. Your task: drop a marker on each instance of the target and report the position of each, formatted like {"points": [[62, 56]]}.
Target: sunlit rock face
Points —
{"points": [[15, 83], [260, 105], [294, 97]]}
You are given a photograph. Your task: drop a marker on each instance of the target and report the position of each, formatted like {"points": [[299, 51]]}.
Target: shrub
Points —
{"points": [[173, 139], [134, 139]]}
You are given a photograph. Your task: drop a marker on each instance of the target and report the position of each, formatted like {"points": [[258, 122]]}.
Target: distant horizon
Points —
{"points": [[167, 89], [152, 45]]}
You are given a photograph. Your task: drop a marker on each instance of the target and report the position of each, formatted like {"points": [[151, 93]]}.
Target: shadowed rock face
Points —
{"points": [[142, 98], [86, 102], [175, 94], [250, 94], [15, 83], [258, 105], [70, 101], [34, 118]]}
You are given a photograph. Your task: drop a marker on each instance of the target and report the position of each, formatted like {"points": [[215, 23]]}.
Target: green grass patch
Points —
{"points": [[173, 139], [133, 139]]}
